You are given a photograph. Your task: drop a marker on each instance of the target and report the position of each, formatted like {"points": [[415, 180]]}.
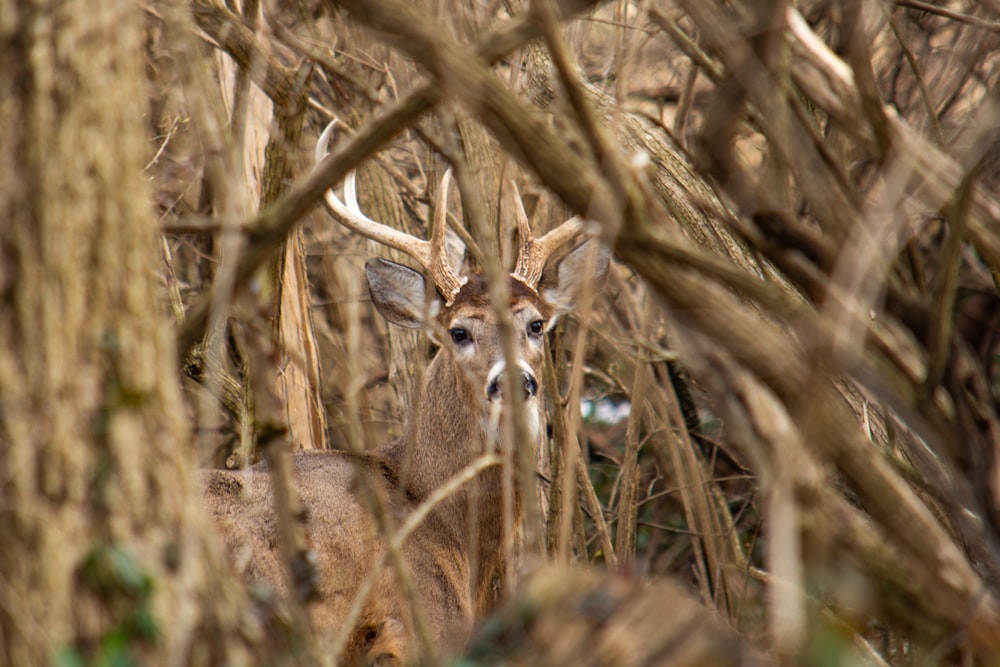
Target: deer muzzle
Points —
{"points": [[494, 388]]}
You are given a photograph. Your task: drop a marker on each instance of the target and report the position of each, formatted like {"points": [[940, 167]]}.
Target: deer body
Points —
{"points": [[454, 556], [347, 545]]}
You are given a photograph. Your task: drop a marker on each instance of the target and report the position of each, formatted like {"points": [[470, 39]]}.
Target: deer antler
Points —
{"points": [[431, 255], [533, 253]]}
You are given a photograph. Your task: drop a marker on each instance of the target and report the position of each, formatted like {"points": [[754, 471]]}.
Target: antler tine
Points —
{"points": [[351, 216], [534, 253], [433, 261], [447, 280]]}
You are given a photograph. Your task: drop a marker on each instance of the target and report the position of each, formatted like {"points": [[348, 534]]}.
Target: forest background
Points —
{"points": [[783, 406]]}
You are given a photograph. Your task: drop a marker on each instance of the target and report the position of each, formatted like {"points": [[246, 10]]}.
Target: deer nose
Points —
{"points": [[494, 390]]}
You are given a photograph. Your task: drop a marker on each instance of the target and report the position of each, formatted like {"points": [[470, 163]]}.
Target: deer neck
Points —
{"points": [[447, 430]]}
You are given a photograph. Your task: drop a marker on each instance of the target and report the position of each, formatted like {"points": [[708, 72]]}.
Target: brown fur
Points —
{"points": [[455, 578], [455, 556]]}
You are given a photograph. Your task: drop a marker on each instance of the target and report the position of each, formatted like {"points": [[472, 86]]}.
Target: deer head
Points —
{"points": [[457, 312]]}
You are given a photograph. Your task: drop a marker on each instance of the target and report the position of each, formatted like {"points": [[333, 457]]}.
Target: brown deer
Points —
{"points": [[454, 555]]}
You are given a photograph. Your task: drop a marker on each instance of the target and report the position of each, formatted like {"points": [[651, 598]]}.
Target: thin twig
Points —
{"points": [[163, 144], [375, 501], [628, 502], [918, 75], [937, 10], [395, 543]]}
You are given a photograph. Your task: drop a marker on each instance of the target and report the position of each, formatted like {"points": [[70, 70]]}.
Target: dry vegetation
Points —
{"points": [[803, 316]]}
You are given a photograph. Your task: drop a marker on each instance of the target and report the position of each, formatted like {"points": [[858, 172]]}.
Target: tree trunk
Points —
{"points": [[269, 152], [298, 382], [106, 556]]}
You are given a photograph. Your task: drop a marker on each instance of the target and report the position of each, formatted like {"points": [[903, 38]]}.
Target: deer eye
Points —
{"points": [[458, 335], [537, 327]]}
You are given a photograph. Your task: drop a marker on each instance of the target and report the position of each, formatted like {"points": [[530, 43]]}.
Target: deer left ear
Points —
{"points": [[562, 285], [398, 292]]}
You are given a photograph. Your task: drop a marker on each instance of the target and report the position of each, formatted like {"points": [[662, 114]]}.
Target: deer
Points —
{"points": [[455, 554]]}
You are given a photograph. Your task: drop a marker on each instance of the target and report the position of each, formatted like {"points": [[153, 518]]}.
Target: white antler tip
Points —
{"points": [[323, 143]]}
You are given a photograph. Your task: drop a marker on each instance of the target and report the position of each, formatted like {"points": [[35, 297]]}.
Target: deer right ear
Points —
{"points": [[398, 292], [561, 286]]}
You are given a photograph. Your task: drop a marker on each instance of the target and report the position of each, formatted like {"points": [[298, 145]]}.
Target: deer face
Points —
{"points": [[467, 329]]}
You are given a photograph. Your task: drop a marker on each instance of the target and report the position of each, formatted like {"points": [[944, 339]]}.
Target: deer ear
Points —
{"points": [[398, 292], [561, 286]]}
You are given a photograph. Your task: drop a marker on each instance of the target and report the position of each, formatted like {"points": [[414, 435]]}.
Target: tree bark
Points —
{"points": [[105, 552], [298, 381]]}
